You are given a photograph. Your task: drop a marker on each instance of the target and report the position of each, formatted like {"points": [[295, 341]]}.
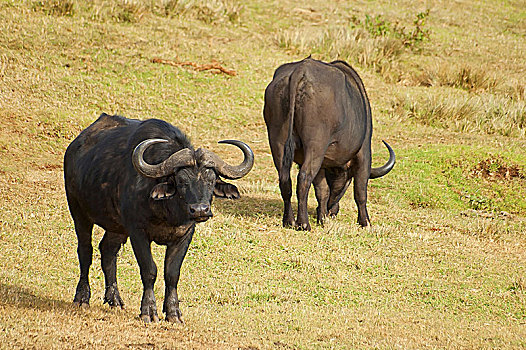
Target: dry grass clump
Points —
{"points": [[475, 80], [353, 45], [471, 79], [54, 7], [212, 11], [515, 90], [132, 11], [463, 76], [465, 113]]}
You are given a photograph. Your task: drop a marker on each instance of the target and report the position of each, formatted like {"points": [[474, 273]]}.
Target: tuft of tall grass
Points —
{"points": [[207, 11], [133, 11], [54, 7], [350, 44], [485, 113], [514, 90], [463, 76], [124, 11], [374, 43]]}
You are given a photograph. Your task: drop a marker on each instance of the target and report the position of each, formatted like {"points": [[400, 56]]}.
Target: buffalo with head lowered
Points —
{"points": [[143, 180], [318, 115]]}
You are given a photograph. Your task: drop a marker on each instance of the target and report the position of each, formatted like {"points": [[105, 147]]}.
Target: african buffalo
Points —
{"points": [[318, 115], [143, 180]]}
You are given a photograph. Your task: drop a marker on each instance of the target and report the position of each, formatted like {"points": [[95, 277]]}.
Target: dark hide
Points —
{"points": [[318, 115], [104, 188]]}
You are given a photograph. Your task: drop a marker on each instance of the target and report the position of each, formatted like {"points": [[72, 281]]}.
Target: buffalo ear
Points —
{"points": [[164, 190], [225, 190]]}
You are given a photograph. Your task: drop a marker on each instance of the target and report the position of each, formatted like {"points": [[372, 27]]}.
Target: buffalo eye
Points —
{"points": [[209, 174], [182, 177]]}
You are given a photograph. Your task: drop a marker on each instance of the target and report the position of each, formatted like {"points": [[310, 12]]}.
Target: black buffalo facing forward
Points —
{"points": [[143, 180], [318, 115]]}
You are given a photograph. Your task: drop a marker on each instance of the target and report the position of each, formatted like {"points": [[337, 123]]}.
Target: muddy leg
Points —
{"points": [[83, 228], [175, 254], [109, 247], [142, 249]]}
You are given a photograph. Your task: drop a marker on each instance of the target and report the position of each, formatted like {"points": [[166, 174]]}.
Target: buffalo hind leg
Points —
{"points": [[109, 247], [285, 187], [322, 191], [277, 141], [83, 229], [361, 178], [175, 254], [302, 192], [306, 175]]}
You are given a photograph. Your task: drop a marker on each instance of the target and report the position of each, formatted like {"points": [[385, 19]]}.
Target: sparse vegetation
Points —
{"points": [[374, 42], [443, 265], [132, 11], [462, 77], [54, 7], [479, 113]]}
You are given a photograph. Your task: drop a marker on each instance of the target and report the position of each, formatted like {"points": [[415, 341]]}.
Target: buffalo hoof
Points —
{"points": [[289, 222], [364, 223], [303, 227], [80, 305], [225, 190], [82, 295], [174, 319], [150, 318], [321, 216], [334, 209], [113, 298]]}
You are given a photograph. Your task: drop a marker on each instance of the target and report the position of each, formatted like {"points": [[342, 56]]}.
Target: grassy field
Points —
{"points": [[444, 265]]}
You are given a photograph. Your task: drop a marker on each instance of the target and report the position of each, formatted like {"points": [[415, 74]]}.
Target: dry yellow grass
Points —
{"points": [[444, 265]]}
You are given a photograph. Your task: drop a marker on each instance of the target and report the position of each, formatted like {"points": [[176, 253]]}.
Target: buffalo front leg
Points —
{"points": [[175, 254], [83, 228], [339, 182], [109, 247], [142, 249]]}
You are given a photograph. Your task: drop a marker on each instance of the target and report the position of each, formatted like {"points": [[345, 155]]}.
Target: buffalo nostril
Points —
{"points": [[199, 209]]}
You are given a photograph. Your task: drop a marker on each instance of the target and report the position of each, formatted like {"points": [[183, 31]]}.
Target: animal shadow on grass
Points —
{"points": [[24, 298], [249, 206]]}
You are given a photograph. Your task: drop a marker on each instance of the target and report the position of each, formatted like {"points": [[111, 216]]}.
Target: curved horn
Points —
{"points": [[210, 159], [384, 169], [180, 158]]}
